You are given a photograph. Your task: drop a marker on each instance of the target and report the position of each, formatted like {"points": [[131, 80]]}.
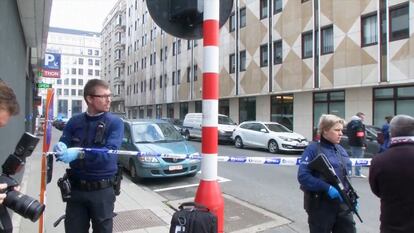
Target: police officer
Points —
{"points": [[91, 174], [322, 201]]}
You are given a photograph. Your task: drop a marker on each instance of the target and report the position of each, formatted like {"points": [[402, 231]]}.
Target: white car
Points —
{"points": [[268, 135]]}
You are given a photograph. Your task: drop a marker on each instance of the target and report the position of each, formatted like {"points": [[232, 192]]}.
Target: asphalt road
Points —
{"points": [[271, 187]]}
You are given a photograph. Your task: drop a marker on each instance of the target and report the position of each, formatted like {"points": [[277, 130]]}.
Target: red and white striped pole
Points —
{"points": [[208, 192]]}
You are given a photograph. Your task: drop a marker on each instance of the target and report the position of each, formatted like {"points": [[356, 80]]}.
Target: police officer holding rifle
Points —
{"points": [[325, 201]]}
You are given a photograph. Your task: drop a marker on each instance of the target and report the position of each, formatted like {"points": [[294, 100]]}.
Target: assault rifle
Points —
{"points": [[322, 165]]}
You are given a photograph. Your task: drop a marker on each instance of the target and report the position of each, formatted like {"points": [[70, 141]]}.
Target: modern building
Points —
{"points": [[24, 28], [280, 60], [113, 54], [80, 61]]}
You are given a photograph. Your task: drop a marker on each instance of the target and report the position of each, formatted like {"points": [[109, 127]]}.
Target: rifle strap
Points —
{"points": [[339, 156]]}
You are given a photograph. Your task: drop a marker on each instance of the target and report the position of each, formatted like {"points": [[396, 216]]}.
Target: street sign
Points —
{"points": [[51, 66], [43, 85]]}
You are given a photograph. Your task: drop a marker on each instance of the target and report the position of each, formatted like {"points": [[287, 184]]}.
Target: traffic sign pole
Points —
{"points": [[208, 192]]}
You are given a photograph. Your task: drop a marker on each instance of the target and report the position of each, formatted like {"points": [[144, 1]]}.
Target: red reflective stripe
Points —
{"points": [[211, 33], [210, 86], [209, 143]]}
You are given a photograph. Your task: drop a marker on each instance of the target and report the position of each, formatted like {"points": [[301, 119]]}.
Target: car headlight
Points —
{"points": [[148, 159], [286, 139]]}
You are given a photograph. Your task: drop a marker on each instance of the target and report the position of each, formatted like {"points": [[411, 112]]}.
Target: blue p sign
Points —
{"points": [[52, 61]]}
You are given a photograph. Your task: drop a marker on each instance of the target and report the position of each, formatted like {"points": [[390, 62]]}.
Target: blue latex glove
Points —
{"points": [[69, 155], [333, 193], [60, 148], [357, 206]]}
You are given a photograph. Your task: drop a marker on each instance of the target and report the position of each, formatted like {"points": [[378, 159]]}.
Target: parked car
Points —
{"points": [[192, 125], [178, 124], [60, 123], [268, 135], [371, 138], [156, 137]]}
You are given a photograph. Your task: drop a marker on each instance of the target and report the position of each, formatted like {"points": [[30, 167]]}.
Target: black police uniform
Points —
{"points": [[325, 215], [92, 177]]}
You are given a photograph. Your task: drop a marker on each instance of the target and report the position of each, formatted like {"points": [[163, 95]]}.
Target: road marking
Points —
{"points": [[219, 179]]}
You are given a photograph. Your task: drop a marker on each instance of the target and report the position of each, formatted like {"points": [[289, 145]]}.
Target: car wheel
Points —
{"points": [[186, 135], [238, 142], [133, 172], [273, 147]]}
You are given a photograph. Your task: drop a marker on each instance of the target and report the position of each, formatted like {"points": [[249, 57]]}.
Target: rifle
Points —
{"points": [[322, 165]]}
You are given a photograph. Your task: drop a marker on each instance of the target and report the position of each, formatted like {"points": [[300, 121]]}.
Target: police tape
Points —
{"points": [[282, 161]]}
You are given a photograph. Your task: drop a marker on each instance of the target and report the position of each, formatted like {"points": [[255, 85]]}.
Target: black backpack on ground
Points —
{"points": [[193, 218]]}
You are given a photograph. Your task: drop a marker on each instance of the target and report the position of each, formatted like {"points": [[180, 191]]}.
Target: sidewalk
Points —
{"points": [[139, 209]]}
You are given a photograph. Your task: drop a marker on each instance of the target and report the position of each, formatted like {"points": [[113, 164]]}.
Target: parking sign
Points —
{"points": [[51, 66]]}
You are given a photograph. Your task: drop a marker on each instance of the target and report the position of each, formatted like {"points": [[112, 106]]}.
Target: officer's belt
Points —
{"points": [[92, 185]]}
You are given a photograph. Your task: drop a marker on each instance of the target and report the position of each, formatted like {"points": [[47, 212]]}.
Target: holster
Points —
{"points": [[117, 181], [311, 200]]}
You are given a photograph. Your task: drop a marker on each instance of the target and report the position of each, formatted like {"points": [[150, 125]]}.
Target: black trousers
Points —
{"points": [[93, 206], [328, 216]]}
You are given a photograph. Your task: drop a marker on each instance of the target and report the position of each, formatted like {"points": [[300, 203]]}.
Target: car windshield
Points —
{"points": [[155, 132], [277, 128], [223, 120]]}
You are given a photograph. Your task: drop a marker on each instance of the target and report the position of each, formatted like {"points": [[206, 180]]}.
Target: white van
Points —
{"points": [[192, 125]]}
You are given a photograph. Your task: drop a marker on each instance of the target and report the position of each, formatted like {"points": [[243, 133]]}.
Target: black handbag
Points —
{"points": [[193, 218]]}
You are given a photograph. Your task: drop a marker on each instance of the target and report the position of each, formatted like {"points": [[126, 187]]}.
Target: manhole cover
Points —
{"points": [[136, 219]]}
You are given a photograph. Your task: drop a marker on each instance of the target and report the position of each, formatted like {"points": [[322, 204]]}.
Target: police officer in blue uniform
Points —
{"points": [[91, 174], [322, 201]]}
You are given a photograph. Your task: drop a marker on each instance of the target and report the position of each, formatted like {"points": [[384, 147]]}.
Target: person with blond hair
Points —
{"points": [[322, 201]]}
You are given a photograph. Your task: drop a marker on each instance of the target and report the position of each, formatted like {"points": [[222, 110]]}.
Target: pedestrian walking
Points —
{"points": [[92, 175], [355, 131], [322, 201], [391, 176]]}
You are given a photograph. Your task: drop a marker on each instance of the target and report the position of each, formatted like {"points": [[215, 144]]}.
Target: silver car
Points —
{"points": [[268, 135]]}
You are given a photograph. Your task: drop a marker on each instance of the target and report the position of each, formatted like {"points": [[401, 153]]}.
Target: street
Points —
{"points": [[270, 187]]}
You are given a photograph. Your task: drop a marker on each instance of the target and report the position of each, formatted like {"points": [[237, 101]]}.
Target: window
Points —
{"points": [[96, 72], [392, 101], [73, 81], [327, 39], [277, 6], [369, 30], [232, 22], [263, 9], [90, 62], [243, 60], [73, 70], [328, 103], [195, 72], [160, 81], [97, 62], [307, 45], [232, 63], [174, 48], [89, 51], [198, 106], [173, 78], [80, 92], [243, 17], [188, 74], [59, 81], [90, 72], [247, 109], [80, 71], [277, 52], [282, 110], [399, 22], [263, 55], [73, 92], [183, 110], [178, 76], [80, 61], [80, 82]]}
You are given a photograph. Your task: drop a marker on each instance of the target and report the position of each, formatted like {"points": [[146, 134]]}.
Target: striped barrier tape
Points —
{"points": [[282, 161]]}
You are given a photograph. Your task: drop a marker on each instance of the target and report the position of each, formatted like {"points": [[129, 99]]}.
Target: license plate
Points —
{"points": [[175, 167], [300, 144]]}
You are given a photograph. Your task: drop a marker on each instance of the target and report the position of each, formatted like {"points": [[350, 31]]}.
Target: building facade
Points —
{"points": [[80, 61], [280, 60], [113, 54]]}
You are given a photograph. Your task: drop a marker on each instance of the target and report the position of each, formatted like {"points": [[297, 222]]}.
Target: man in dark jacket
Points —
{"points": [[391, 176], [91, 174], [355, 131]]}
